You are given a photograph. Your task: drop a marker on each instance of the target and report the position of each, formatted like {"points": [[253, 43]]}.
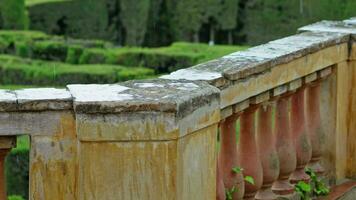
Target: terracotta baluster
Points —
{"points": [[228, 157], [6, 143], [285, 147], [3, 153], [300, 135], [268, 152], [220, 188], [314, 126], [249, 155]]}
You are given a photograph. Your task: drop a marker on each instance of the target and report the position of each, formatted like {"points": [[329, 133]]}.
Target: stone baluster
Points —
{"points": [[267, 150], [285, 147], [228, 157], [6, 144], [300, 135], [248, 151], [314, 125]]}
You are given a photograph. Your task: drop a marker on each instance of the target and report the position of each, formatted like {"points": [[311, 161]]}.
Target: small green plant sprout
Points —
{"points": [[319, 188], [304, 190], [229, 192], [15, 197], [237, 170], [249, 180]]}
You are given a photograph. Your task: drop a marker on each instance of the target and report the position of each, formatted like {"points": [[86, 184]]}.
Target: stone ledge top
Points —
{"points": [[243, 64], [179, 97], [35, 100], [346, 26]]}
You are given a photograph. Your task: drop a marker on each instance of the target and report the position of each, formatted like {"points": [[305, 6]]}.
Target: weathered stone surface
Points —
{"points": [[259, 59], [180, 97], [53, 163], [32, 123], [8, 100], [43, 99], [325, 72], [293, 85], [35, 100], [260, 98], [346, 26], [279, 90], [311, 77], [174, 169], [243, 89], [264, 57], [201, 72]]}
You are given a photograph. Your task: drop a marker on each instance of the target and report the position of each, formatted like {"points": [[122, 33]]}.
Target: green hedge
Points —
{"points": [[13, 14], [17, 169], [162, 60], [75, 18], [15, 70], [37, 45]]}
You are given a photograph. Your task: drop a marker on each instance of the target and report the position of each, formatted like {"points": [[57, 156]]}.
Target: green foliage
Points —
{"points": [[17, 70], [163, 59], [135, 24], [266, 20], [22, 49], [13, 14], [49, 50], [227, 17], [17, 169], [230, 192], [319, 188], [73, 54], [15, 197], [315, 188], [188, 19], [304, 190], [38, 45], [79, 18]]}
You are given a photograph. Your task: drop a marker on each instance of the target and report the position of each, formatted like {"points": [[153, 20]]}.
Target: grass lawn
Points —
{"points": [[16, 87], [34, 2]]}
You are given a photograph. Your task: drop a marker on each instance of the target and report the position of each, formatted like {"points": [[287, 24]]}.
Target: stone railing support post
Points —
{"points": [[152, 139]]}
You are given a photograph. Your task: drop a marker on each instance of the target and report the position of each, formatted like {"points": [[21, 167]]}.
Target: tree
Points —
{"points": [[188, 18], [134, 17], [211, 11], [13, 14], [227, 18]]}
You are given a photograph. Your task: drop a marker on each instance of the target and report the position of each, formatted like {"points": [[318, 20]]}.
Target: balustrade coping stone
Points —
{"points": [[39, 99], [347, 26], [256, 60], [179, 97]]}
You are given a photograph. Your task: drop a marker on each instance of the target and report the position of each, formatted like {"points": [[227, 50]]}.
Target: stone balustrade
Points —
{"points": [[176, 137]]}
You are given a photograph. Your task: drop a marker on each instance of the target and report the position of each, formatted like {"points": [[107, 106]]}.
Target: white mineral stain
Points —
{"points": [[191, 74], [5, 95], [184, 86], [351, 21], [148, 85], [95, 92], [330, 26], [42, 94]]}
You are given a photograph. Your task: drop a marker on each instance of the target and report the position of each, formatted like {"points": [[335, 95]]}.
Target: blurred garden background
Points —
{"points": [[51, 43]]}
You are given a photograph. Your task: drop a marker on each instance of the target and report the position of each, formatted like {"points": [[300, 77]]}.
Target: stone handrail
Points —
{"points": [[156, 139]]}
